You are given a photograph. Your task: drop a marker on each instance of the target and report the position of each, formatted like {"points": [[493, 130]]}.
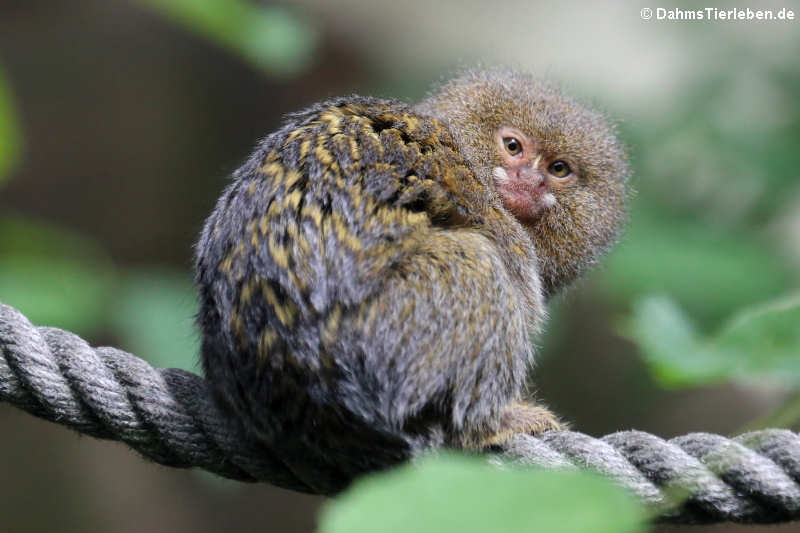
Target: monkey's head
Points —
{"points": [[555, 164]]}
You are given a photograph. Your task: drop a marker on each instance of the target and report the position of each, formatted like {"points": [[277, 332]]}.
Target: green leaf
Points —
{"points": [[154, 317], [709, 272], [460, 494], [9, 132], [55, 277], [766, 340], [756, 344], [271, 38], [670, 344]]}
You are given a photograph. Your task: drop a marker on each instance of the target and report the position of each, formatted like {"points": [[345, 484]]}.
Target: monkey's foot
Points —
{"points": [[524, 418]]}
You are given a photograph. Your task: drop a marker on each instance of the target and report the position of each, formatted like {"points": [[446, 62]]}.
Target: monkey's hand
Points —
{"points": [[521, 417]]}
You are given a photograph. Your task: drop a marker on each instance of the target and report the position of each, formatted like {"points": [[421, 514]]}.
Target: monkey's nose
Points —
{"points": [[533, 179]]}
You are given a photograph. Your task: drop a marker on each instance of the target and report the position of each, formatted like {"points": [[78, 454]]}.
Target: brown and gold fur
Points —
{"points": [[365, 295]]}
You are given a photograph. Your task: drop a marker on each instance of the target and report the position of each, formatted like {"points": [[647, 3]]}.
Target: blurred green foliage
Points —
{"points": [[59, 278], [698, 260], [153, 315], [9, 134], [55, 276], [727, 152], [458, 494], [271, 38], [709, 270], [701, 252], [756, 344]]}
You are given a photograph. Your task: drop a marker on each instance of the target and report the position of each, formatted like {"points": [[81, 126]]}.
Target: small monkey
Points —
{"points": [[370, 279]]}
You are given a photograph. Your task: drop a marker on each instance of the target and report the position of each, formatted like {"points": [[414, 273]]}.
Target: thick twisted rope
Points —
{"points": [[168, 416]]}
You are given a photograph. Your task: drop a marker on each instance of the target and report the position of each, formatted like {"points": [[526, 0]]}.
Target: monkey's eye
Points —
{"points": [[512, 145], [559, 169]]}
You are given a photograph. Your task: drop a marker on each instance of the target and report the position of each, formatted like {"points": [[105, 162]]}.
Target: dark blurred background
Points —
{"points": [[120, 120]]}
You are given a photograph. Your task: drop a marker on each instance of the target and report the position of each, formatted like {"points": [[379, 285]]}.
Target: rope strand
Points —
{"points": [[169, 417]]}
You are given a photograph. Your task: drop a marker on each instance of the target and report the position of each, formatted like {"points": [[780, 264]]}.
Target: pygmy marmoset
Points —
{"points": [[370, 279]]}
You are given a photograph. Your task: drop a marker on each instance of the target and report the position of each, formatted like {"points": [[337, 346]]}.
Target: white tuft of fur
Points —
{"points": [[500, 175], [548, 200]]}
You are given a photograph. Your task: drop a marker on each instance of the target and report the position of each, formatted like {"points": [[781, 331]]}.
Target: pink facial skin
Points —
{"points": [[527, 177]]}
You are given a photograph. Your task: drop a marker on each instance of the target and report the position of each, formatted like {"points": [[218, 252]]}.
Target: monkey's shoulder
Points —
{"points": [[330, 202], [378, 149]]}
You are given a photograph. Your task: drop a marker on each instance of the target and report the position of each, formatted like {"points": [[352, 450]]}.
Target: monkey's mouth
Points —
{"points": [[524, 199]]}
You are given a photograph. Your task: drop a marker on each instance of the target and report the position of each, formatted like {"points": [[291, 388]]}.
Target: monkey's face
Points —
{"points": [[555, 164], [527, 175], [564, 184], [559, 169]]}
